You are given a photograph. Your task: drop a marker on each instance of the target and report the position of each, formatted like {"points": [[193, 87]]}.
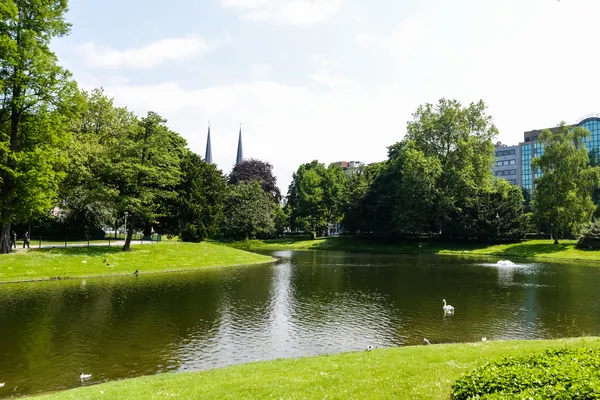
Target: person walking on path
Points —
{"points": [[26, 241], [13, 240]]}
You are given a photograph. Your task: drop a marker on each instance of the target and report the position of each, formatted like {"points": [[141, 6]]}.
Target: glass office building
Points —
{"points": [[592, 142], [531, 148]]}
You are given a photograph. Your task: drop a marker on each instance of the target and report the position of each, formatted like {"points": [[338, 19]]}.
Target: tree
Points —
{"points": [[261, 171], [249, 212], [563, 197], [87, 194], [306, 198], [146, 168], [38, 98], [196, 211], [460, 140], [492, 214], [416, 191]]}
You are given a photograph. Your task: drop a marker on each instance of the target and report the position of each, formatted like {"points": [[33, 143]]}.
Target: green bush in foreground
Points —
{"points": [[554, 374]]}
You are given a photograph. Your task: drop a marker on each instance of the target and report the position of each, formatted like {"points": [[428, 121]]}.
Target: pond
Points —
{"points": [[307, 304]]}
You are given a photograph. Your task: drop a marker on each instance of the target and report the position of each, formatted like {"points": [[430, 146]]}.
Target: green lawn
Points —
{"points": [[90, 261], [537, 249], [418, 372]]}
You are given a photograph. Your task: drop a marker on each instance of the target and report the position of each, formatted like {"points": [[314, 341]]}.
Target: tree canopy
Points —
{"points": [[563, 197], [251, 169], [38, 101]]}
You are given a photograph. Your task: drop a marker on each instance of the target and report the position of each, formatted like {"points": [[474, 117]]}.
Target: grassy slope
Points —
{"points": [[422, 372], [167, 256], [539, 249]]}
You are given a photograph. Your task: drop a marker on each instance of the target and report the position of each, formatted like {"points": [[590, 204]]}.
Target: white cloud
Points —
{"points": [[292, 12], [405, 37], [260, 72], [149, 55], [324, 77]]}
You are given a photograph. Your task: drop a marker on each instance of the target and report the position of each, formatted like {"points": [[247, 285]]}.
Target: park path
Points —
{"points": [[118, 243]]}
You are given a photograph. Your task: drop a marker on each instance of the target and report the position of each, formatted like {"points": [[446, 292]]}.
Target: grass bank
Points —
{"points": [[77, 262], [419, 372], [535, 249]]}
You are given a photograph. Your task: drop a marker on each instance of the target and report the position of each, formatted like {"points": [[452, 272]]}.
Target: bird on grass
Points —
{"points": [[85, 376], [104, 262], [137, 271], [425, 341]]}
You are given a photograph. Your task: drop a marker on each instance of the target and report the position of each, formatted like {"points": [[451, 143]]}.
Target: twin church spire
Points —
{"points": [[208, 154]]}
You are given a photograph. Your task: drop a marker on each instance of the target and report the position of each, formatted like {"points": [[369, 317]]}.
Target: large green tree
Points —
{"points": [[249, 212], [563, 196], [256, 170], [88, 195], [146, 168], [35, 111], [197, 210], [460, 140], [316, 196]]}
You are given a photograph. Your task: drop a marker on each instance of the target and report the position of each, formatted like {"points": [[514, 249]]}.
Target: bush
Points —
{"points": [[555, 374], [590, 237]]}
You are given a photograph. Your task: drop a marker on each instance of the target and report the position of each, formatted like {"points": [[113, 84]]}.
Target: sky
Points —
{"points": [[333, 80]]}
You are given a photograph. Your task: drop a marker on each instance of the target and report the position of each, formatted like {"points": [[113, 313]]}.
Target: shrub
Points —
{"points": [[555, 374], [590, 238]]}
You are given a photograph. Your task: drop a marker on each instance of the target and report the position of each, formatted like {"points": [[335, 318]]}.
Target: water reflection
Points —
{"points": [[310, 303]]}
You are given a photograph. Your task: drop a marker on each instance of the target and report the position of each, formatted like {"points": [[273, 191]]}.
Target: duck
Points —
{"points": [[448, 309], [85, 376]]}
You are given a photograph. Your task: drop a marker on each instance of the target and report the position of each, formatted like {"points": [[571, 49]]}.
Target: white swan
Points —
{"points": [[448, 309], [85, 376]]}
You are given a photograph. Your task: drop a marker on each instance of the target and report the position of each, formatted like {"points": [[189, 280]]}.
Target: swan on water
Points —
{"points": [[448, 309], [85, 376], [425, 341]]}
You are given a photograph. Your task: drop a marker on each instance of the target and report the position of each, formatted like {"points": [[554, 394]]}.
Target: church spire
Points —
{"points": [[240, 154], [208, 154]]}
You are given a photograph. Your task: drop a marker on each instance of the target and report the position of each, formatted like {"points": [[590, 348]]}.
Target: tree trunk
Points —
{"points": [[5, 247], [555, 240], [8, 186], [127, 245]]}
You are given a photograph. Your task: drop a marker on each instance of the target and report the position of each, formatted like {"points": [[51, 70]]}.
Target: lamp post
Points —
{"points": [[125, 234]]}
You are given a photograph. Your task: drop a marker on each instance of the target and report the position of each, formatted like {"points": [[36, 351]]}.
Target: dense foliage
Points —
{"points": [[256, 170], [563, 198], [590, 237], [437, 182], [316, 197], [565, 374], [36, 107], [249, 212]]}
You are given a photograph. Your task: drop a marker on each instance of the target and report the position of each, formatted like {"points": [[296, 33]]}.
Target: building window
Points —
{"points": [[526, 178]]}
